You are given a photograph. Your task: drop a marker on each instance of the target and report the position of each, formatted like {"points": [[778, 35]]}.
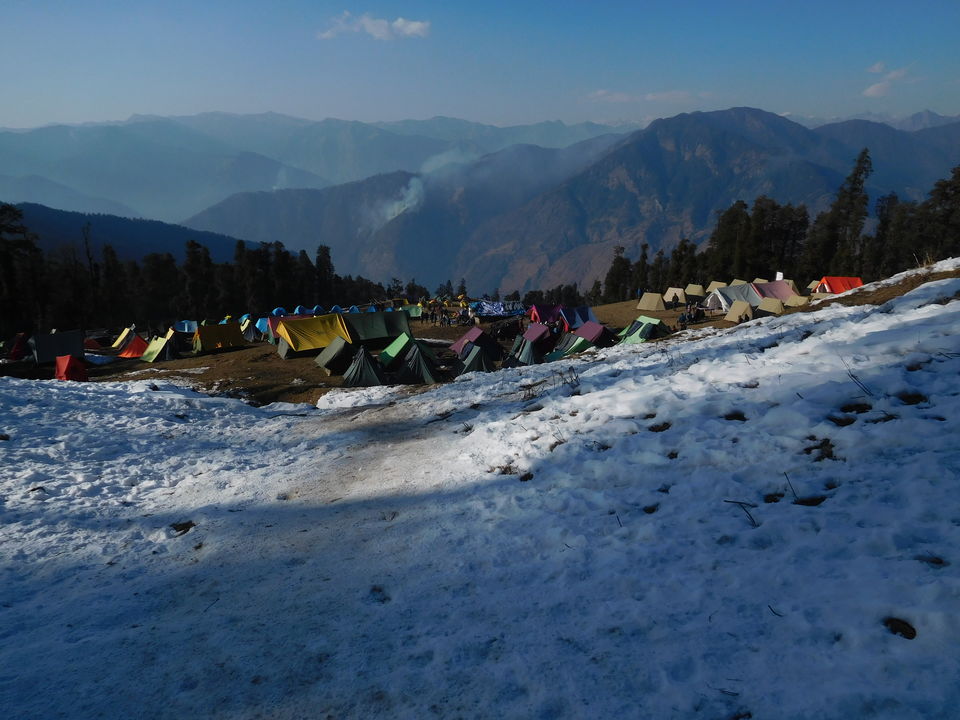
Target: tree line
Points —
{"points": [[78, 286], [749, 242]]}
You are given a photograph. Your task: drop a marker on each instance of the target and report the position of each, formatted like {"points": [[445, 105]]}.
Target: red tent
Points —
{"points": [[71, 368], [91, 344], [19, 349], [536, 332], [545, 313], [135, 348], [836, 285]]}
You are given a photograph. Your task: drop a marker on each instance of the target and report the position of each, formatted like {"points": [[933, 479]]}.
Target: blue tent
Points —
{"points": [[300, 310], [278, 312], [318, 310], [244, 317], [372, 308], [263, 325], [354, 309], [336, 309]]}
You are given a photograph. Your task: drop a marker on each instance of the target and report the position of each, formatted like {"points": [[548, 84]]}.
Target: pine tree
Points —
{"points": [[616, 284]]}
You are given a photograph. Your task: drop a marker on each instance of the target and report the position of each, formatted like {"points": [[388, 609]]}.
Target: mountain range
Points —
{"points": [[509, 208], [529, 217]]}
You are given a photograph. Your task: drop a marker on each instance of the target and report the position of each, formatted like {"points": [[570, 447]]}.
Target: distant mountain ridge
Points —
{"points": [[653, 186], [170, 168]]}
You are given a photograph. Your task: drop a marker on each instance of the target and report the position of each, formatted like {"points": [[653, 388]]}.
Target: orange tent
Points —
{"points": [[135, 348], [836, 285], [70, 368]]}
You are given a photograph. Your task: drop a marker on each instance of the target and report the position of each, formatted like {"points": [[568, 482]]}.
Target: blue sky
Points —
{"points": [[496, 62]]}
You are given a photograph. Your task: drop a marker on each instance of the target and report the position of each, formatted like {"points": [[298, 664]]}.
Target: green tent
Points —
{"points": [[476, 360], [363, 371], [642, 330], [395, 349], [417, 367], [336, 357], [370, 327], [570, 345]]}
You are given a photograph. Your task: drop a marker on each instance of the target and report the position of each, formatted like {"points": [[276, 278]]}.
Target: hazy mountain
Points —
{"points": [[918, 121], [156, 168], [533, 217], [33, 188], [131, 238], [401, 224], [491, 138]]}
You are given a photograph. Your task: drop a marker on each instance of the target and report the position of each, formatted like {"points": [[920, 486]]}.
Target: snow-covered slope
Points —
{"points": [[549, 542]]}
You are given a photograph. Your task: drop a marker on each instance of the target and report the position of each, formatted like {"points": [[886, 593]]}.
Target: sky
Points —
{"points": [[494, 62]]}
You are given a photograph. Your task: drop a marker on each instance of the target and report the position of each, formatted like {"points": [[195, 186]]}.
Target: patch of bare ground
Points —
{"points": [[881, 295]]}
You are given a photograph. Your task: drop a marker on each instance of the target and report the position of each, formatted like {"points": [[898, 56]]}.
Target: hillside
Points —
{"points": [[756, 522], [130, 238]]}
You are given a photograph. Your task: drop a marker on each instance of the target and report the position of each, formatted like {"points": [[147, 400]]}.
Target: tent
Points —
{"points": [[395, 349], [651, 302], [545, 313], [413, 310], [417, 367], [301, 310], [363, 371], [714, 284], [837, 285], [278, 312], [643, 329], [569, 344], [70, 368], [122, 338], [309, 333], [723, 298], [759, 280], [739, 310], [336, 309], [161, 348], [135, 347], [217, 337], [186, 326], [376, 326], [46, 348], [737, 281], [529, 348], [336, 357], [353, 309], [249, 329], [796, 301], [595, 333], [476, 360], [477, 337], [574, 317], [317, 310], [675, 295], [694, 292], [779, 289], [19, 348], [770, 306], [792, 284], [91, 344], [812, 285]]}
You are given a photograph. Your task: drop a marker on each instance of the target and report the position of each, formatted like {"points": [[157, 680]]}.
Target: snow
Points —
{"points": [[548, 542]]}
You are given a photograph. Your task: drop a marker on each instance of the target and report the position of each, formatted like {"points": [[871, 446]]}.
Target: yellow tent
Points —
{"points": [[674, 294], [714, 284], [313, 332], [740, 309], [124, 336], [796, 301], [693, 291], [215, 337], [759, 280], [737, 281], [770, 306], [651, 302]]}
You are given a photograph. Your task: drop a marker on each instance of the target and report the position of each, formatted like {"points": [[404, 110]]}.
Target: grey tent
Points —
{"points": [[336, 357], [364, 371], [46, 348], [375, 327]]}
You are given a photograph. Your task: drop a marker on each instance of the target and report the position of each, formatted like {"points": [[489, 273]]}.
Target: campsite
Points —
{"points": [[729, 499]]}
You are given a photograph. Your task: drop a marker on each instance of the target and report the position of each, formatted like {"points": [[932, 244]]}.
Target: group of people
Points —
{"points": [[691, 314]]}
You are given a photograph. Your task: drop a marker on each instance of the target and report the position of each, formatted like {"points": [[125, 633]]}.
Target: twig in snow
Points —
{"points": [[618, 519], [795, 496], [212, 604], [743, 506], [774, 611]]}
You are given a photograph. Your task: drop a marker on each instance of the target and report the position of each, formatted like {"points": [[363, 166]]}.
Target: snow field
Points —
{"points": [[548, 542]]}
